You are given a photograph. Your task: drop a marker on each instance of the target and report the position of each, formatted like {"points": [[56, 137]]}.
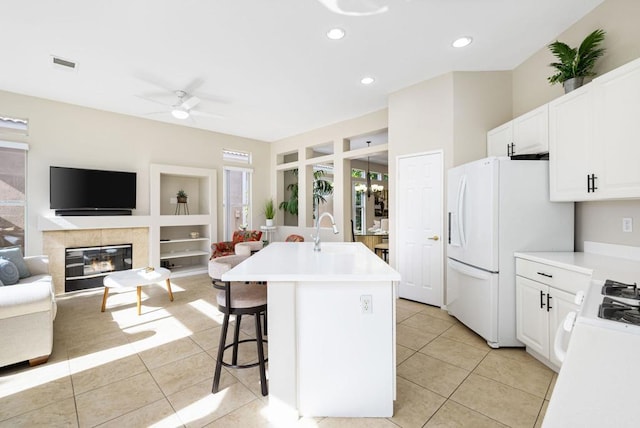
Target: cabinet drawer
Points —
{"points": [[562, 279]]}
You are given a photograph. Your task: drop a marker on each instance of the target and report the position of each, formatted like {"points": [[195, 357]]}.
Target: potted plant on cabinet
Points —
{"points": [[181, 196], [574, 64], [269, 212]]}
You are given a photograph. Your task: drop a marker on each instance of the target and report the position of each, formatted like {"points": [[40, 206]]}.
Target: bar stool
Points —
{"points": [[383, 249], [238, 299]]}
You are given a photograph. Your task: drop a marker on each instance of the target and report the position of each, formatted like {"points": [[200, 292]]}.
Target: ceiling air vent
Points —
{"points": [[63, 64]]}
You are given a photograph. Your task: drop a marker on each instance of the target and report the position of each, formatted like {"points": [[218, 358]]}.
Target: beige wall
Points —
{"points": [[595, 221], [482, 101], [451, 113], [69, 135]]}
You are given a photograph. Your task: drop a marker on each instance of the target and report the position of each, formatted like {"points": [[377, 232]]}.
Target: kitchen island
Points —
{"points": [[331, 328]]}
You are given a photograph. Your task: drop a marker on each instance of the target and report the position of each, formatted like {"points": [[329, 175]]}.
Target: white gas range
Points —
{"points": [[600, 369]]}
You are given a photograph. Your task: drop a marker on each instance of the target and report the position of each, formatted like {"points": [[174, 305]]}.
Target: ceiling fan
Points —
{"points": [[184, 106], [356, 7]]}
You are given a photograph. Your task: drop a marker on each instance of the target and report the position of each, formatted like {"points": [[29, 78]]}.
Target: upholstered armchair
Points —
{"points": [[227, 248]]}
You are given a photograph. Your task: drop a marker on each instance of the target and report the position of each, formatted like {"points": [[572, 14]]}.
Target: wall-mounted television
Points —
{"points": [[76, 191]]}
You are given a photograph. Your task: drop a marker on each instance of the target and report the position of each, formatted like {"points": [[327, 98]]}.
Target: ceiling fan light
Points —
{"points": [[179, 113], [462, 42]]}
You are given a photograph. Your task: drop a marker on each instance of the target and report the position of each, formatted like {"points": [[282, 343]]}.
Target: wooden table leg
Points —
{"points": [[104, 298], [169, 289], [139, 293]]}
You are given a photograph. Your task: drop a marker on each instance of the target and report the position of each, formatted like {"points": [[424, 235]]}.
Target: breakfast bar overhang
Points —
{"points": [[331, 328]]}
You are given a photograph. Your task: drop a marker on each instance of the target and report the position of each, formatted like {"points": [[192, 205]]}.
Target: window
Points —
{"points": [[236, 156], [14, 125], [13, 173]]}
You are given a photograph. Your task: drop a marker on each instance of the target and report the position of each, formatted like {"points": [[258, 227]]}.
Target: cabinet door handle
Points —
{"points": [[541, 299], [591, 183], [548, 275], [549, 302]]}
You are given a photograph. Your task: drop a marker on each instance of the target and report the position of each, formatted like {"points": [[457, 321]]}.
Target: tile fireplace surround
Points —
{"points": [[56, 241]]}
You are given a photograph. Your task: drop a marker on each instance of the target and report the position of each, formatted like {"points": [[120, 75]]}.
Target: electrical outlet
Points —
{"points": [[173, 200], [366, 304], [627, 224]]}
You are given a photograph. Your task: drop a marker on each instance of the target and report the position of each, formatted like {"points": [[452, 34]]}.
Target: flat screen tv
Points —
{"points": [[76, 191]]}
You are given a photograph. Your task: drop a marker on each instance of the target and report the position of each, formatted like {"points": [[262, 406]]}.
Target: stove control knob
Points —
{"points": [[579, 298]]}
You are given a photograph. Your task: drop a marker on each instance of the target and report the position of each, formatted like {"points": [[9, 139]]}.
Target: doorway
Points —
{"points": [[419, 244], [236, 199]]}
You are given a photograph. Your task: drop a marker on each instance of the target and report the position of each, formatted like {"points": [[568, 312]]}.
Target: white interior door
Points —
{"points": [[419, 244]]}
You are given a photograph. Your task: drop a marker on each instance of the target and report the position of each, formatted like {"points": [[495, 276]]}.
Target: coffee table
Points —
{"points": [[136, 278]]}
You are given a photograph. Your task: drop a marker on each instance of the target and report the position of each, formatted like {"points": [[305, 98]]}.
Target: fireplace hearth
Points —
{"points": [[86, 267]]}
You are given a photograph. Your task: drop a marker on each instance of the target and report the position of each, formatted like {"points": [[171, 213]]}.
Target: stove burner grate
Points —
{"points": [[619, 289], [615, 310]]}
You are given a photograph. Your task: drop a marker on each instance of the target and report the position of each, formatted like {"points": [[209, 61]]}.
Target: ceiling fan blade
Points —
{"points": [[154, 101], [190, 102], [354, 7], [194, 85], [205, 114]]}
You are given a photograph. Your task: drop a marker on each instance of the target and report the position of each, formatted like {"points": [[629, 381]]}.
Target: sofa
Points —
{"points": [[227, 248], [27, 311]]}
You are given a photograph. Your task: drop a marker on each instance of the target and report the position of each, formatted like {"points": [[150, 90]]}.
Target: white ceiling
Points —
{"points": [[264, 65]]}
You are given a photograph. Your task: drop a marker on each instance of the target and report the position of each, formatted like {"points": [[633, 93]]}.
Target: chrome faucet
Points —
{"points": [[316, 239]]}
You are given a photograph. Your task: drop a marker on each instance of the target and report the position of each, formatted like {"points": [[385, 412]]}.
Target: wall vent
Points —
{"points": [[63, 64]]}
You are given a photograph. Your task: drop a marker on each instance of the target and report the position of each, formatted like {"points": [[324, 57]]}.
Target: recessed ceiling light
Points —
{"points": [[367, 80], [462, 42], [335, 33]]}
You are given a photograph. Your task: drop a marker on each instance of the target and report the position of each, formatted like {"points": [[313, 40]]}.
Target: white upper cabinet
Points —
{"points": [[499, 140], [594, 143], [526, 134], [617, 133], [570, 145]]}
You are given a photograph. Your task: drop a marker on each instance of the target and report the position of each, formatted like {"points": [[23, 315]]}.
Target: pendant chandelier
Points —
{"points": [[368, 174]]}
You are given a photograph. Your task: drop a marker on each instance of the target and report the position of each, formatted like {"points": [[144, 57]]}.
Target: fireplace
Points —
{"points": [[86, 267]]}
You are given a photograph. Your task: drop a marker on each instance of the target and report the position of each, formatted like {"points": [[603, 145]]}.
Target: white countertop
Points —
{"points": [[337, 261], [599, 266]]}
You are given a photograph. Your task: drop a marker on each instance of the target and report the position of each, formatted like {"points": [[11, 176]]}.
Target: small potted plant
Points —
{"points": [[182, 196], [269, 212], [574, 64]]}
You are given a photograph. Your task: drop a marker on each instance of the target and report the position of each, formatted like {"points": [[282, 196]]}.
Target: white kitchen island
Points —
{"points": [[331, 328]]}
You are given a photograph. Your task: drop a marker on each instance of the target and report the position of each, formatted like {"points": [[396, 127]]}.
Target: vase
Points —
{"points": [[269, 222], [573, 83]]}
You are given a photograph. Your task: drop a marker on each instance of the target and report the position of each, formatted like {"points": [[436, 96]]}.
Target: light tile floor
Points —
{"points": [[118, 369]]}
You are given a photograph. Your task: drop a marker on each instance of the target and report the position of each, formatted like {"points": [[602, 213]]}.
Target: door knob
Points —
{"points": [[434, 238]]}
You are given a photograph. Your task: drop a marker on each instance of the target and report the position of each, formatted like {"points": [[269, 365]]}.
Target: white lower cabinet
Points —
{"points": [[544, 296]]}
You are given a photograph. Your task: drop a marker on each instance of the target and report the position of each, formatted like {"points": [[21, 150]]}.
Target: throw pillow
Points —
{"points": [[15, 255], [8, 272]]}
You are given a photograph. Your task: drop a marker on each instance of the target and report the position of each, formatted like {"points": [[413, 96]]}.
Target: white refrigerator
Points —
{"points": [[497, 206]]}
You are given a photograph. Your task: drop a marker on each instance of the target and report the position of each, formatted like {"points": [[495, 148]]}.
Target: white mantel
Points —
{"points": [[52, 222]]}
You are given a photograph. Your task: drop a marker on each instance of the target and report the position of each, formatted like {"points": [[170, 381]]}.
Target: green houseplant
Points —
{"points": [[269, 211], [321, 189], [574, 64], [182, 196]]}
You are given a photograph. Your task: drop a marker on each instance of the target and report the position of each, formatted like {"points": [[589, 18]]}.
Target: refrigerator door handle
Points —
{"points": [[461, 199], [469, 271]]}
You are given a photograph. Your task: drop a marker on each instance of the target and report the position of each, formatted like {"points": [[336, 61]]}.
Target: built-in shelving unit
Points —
{"points": [[173, 244]]}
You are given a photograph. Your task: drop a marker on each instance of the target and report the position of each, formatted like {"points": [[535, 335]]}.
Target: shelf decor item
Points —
{"points": [[574, 64], [181, 196], [269, 212]]}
